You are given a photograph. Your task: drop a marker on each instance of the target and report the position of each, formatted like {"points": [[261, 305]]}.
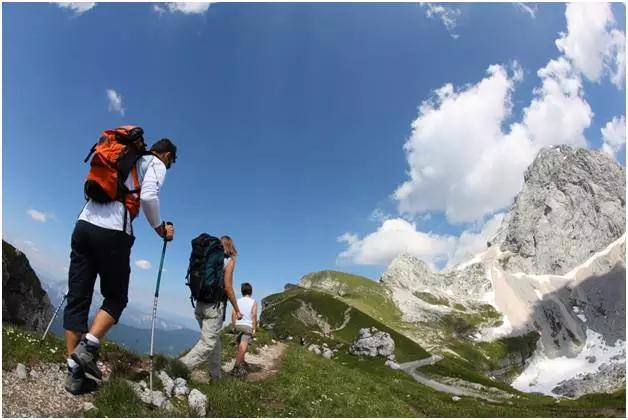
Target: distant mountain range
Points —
{"points": [[168, 342], [172, 337], [133, 316]]}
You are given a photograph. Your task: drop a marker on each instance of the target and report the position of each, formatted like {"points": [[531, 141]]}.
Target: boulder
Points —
{"points": [[167, 382], [198, 402], [181, 387], [372, 342], [314, 348], [159, 400]]}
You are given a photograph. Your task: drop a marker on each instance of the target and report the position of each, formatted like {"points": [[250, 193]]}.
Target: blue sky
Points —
{"points": [[291, 121]]}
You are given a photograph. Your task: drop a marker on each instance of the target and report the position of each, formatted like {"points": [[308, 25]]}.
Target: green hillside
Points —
{"points": [[281, 309], [306, 386], [370, 302]]}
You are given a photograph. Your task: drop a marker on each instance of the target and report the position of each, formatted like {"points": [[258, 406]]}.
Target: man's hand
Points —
{"points": [[166, 231], [239, 315]]}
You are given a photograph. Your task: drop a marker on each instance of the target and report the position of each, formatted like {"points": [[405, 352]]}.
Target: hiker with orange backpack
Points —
{"points": [[123, 177]]}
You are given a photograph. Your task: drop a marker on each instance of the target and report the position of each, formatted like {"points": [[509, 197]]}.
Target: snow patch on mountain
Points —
{"points": [[543, 373]]}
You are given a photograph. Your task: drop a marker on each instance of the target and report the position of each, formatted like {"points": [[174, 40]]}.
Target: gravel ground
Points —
{"points": [[42, 394]]}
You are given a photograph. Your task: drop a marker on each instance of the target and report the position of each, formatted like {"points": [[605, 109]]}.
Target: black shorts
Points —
{"points": [[102, 252]]}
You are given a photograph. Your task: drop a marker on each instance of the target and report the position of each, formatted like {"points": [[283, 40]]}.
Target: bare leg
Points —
{"points": [[102, 324], [241, 352], [72, 339]]}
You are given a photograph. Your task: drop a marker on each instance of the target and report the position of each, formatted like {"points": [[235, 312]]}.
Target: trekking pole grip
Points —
{"points": [[163, 228]]}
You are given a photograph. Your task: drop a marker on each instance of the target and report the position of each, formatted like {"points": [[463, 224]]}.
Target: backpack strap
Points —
{"points": [[136, 179], [91, 152], [136, 189]]}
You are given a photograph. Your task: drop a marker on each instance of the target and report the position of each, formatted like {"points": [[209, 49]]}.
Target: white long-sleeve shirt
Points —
{"points": [[152, 174]]}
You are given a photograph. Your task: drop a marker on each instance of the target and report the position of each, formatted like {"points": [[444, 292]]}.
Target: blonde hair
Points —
{"points": [[229, 247]]}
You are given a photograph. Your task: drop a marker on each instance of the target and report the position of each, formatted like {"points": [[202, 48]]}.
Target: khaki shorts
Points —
{"points": [[243, 332]]}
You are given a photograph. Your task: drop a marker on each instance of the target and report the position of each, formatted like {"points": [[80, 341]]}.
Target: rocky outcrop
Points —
{"points": [[372, 342], [24, 301], [410, 280], [326, 281], [322, 350], [571, 206], [609, 377]]}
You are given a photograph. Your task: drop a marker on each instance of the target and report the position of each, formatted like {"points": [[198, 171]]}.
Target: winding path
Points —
{"points": [[410, 369]]}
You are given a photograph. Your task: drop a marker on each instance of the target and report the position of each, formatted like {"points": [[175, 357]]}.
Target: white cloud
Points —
{"points": [[38, 216], [529, 8], [394, 237], [593, 43], [77, 8], [447, 16], [185, 8], [115, 102], [460, 160], [558, 114], [143, 264], [398, 236], [614, 135]]}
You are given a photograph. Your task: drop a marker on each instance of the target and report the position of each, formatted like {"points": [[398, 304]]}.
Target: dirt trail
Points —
{"points": [[346, 320], [264, 364], [42, 394]]}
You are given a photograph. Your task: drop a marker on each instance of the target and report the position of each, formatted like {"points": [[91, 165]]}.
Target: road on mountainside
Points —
{"points": [[411, 367]]}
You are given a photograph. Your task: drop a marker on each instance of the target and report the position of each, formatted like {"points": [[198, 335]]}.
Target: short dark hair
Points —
{"points": [[247, 289], [165, 145]]}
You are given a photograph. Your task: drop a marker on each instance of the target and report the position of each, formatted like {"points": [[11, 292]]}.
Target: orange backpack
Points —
{"points": [[115, 157]]}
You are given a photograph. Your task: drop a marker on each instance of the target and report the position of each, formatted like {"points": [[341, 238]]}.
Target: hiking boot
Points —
{"points": [[86, 355], [77, 384], [238, 372]]}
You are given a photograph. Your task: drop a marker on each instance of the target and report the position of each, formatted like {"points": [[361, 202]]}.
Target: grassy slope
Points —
{"points": [[333, 309], [477, 358], [309, 386]]}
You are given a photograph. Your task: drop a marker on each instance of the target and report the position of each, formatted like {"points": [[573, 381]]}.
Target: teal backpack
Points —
{"points": [[205, 276]]}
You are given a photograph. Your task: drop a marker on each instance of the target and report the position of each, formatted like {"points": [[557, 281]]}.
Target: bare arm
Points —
{"points": [[229, 287], [254, 317], [233, 319]]}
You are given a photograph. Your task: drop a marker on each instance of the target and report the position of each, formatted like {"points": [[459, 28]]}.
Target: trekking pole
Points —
{"points": [[152, 332], [54, 315]]}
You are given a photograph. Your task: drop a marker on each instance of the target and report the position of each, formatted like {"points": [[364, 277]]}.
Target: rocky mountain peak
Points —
{"points": [[572, 205], [405, 271]]}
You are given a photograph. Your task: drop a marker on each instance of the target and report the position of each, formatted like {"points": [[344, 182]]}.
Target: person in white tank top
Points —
{"points": [[244, 328]]}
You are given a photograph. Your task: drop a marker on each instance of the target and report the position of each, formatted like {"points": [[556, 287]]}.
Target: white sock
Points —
{"points": [[94, 340], [72, 364]]}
